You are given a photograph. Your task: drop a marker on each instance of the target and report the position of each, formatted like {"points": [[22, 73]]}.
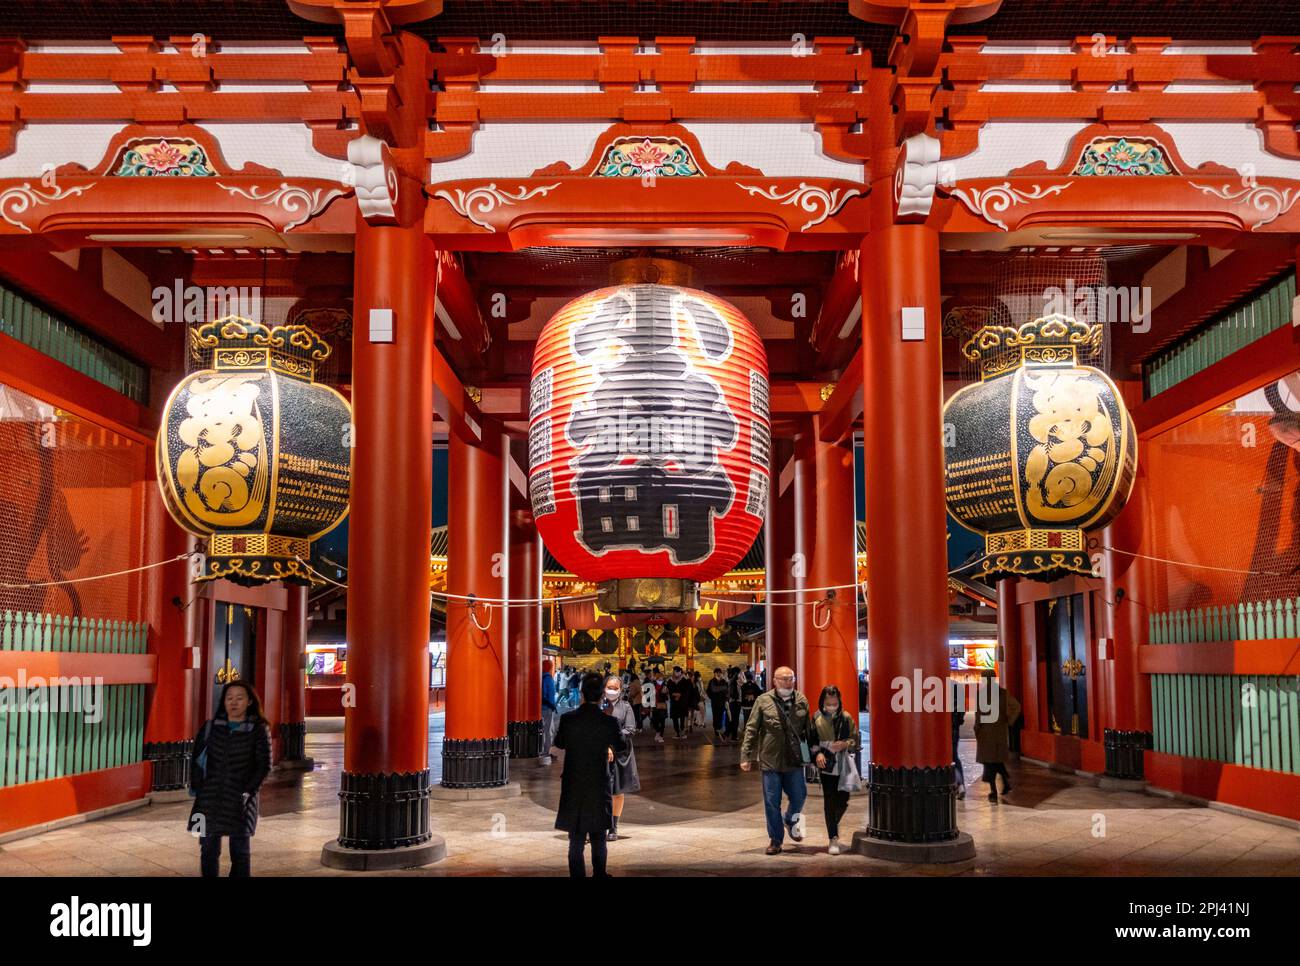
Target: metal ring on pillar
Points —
{"points": [[473, 615], [827, 602]]}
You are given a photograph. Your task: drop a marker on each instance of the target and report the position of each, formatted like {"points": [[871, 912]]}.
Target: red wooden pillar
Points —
{"points": [[166, 597], [829, 628], [524, 629], [1010, 660], [913, 783], [385, 782], [293, 677], [475, 752], [784, 565], [1126, 585]]}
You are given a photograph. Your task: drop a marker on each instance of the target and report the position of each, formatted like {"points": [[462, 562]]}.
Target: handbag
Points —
{"points": [[199, 763]]}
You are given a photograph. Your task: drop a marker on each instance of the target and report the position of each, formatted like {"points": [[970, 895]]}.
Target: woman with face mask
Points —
{"points": [[832, 732], [623, 773]]}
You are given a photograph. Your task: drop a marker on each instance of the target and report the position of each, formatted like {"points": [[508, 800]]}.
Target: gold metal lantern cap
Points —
{"points": [[1040, 451], [253, 454]]}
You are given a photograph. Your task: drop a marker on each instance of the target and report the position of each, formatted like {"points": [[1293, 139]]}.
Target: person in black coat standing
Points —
{"points": [[231, 758], [590, 740]]}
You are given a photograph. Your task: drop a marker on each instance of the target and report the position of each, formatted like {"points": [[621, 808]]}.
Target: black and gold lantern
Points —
{"points": [[253, 454], [1039, 451]]}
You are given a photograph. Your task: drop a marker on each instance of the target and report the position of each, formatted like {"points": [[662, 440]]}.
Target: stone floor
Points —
{"points": [[697, 815]]}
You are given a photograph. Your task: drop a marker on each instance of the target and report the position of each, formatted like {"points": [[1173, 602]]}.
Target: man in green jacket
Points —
{"points": [[776, 736]]}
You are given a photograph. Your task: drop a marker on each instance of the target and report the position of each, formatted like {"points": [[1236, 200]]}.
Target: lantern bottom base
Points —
{"points": [[1039, 554], [648, 595]]}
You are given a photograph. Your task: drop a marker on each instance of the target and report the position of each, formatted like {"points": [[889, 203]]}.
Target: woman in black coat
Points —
{"points": [[232, 756], [590, 740]]}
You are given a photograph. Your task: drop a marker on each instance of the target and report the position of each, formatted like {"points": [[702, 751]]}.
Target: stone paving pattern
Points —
{"points": [[698, 814]]}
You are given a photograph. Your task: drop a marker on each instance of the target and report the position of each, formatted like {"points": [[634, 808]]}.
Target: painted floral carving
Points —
{"points": [[163, 158], [657, 157], [1106, 157]]}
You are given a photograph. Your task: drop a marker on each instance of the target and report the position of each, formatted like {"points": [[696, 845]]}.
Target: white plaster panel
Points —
{"points": [[1005, 145], [778, 149], [539, 87], [1026, 48], [1229, 143], [1208, 87], [516, 150], [42, 143], [70, 87], [1209, 49], [742, 87], [285, 147], [1027, 87]]}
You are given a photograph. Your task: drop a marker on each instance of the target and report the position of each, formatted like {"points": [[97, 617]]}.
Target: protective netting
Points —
{"points": [[1226, 499], [1026, 287], [70, 508]]}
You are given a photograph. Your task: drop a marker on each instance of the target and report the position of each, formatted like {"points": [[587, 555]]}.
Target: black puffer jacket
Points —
{"points": [[237, 763]]}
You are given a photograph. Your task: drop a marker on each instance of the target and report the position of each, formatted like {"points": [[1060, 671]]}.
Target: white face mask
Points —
{"points": [[612, 695], [785, 692], [832, 709]]}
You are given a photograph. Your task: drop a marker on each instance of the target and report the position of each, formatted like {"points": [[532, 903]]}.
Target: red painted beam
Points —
{"points": [[1272, 792], [46, 279], [103, 668], [35, 803], [1281, 656], [1264, 360], [845, 407], [38, 375]]}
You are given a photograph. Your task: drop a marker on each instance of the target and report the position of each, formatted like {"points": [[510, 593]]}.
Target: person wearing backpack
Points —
{"points": [[832, 734], [231, 759]]}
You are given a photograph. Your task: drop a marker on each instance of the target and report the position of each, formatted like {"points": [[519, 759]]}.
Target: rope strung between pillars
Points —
{"points": [[116, 573]]}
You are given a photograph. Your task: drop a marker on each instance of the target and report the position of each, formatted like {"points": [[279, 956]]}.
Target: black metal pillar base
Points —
{"points": [[912, 816], [475, 762], [383, 811], [293, 740], [525, 738], [293, 748], [1124, 749], [171, 764]]}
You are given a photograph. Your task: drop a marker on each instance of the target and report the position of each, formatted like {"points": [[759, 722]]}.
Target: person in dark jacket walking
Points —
{"points": [[591, 740], [718, 700], [680, 690], [232, 757], [832, 732], [733, 704]]}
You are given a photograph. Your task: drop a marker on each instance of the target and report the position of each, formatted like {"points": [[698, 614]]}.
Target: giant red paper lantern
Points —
{"points": [[648, 439]]}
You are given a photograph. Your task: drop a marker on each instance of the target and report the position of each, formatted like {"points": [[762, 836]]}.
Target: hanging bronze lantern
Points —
{"points": [[253, 454], [1039, 451]]}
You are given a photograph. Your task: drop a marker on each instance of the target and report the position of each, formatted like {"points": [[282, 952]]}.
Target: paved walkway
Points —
{"points": [[698, 815]]}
